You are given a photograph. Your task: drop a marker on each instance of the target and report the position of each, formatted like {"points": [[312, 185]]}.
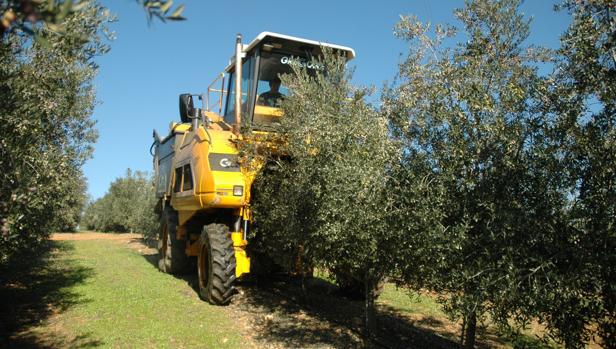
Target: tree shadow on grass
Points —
{"points": [[33, 289], [289, 315], [316, 316], [487, 336], [283, 313]]}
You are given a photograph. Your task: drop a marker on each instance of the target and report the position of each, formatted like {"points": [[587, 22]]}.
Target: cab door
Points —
{"points": [[247, 92]]}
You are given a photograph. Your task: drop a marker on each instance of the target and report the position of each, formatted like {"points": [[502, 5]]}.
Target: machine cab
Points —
{"points": [[263, 61]]}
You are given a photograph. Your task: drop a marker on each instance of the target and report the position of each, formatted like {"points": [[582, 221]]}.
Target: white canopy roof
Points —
{"points": [[350, 53]]}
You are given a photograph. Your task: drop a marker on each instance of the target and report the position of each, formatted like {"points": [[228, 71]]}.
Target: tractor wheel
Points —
{"points": [[171, 251], [216, 265]]}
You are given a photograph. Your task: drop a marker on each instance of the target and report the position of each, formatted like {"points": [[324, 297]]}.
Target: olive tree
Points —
{"points": [[28, 16], [576, 299], [47, 100], [325, 191], [469, 116], [128, 206]]}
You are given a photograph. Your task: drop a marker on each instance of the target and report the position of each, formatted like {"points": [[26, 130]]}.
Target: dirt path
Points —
{"points": [[93, 236]]}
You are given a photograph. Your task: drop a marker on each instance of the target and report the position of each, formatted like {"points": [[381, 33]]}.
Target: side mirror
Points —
{"points": [[187, 107]]}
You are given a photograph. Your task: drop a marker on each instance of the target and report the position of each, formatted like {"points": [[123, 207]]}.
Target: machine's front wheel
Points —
{"points": [[216, 264], [172, 257]]}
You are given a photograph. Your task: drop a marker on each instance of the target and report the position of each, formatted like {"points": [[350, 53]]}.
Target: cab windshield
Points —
{"points": [[270, 90]]}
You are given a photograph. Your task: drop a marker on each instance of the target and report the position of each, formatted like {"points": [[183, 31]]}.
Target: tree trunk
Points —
{"points": [[462, 333], [369, 311], [471, 327]]}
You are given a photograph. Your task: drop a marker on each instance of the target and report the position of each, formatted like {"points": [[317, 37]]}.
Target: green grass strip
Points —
{"points": [[124, 301]]}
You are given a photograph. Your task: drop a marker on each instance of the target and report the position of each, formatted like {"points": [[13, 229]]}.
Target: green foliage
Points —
{"points": [[162, 9], [521, 169], [71, 204], [471, 122], [47, 99], [28, 16], [577, 299], [327, 198], [128, 206]]}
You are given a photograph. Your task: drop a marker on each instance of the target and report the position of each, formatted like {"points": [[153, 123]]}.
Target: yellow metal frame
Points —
{"points": [[242, 261], [212, 189]]}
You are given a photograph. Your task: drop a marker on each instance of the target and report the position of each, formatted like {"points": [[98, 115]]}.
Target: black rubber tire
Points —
{"points": [[172, 258], [216, 265]]}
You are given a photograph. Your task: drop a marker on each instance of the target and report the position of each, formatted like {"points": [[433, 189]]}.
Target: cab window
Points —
{"points": [[247, 70], [270, 91], [177, 186], [187, 183], [271, 67]]}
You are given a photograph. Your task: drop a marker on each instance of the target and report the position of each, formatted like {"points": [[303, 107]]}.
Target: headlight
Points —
{"points": [[238, 190]]}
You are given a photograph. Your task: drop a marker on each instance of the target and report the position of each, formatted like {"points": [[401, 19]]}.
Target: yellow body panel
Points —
{"points": [[211, 189], [242, 261], [178, 127], [266, 115]]}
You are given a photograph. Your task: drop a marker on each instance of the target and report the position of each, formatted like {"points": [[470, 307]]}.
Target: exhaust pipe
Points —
{"points": [[238, 84], [195, 119]]}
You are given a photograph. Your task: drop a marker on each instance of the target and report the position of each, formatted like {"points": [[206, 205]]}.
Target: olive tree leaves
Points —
{"points": [[521, 164], [47, 132], [128, 206], [27, 15]]}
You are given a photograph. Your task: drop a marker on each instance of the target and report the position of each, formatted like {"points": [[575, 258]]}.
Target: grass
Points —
{"points": [[413, 303], [98, 291], [427, 313], [421, 311], [121, 300]]}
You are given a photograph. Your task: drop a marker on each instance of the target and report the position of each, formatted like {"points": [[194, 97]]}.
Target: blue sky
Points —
{"points": [[149, 66]]}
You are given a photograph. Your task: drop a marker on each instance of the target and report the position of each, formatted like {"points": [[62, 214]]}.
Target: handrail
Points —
{"points": [[222, 92]]}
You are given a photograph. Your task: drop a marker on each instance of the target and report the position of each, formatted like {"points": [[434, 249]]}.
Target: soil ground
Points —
{"points": [[96, 236]]}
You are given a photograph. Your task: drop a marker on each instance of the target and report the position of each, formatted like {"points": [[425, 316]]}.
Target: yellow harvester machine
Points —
{"points": [[202, 186]]}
